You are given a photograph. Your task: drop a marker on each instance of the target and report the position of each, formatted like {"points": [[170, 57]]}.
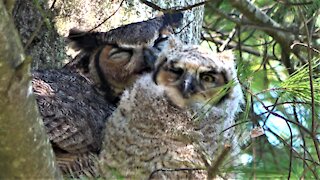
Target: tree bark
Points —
{"points": [[43, 24], [88, 15], [192, 21], [40, 40], [25, 151]]}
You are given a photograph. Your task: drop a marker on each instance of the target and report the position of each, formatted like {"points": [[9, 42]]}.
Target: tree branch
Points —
{"points": [[234, 45], [25, 151], [256, 16], [214, 167]]}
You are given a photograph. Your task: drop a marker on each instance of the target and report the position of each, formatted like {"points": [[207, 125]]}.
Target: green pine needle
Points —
{"points": [[298, 85], [222, 91]]}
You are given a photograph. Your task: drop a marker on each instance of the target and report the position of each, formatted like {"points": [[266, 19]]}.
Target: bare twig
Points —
{"points": [[246, 49], [271, 89], [239, 43], [290, 151], [274, 50], [33, 35], [259, 18], [214, 167], [53, 3], [152, 5], [293, 150], [184, 27], [254, 158], [273, 108], [278, 115], [173, 9], [274, 71], [247, 23], [228, 40], [107, 17], [302, 136], [208, 42], [287, 3], [301, 127], [264, 64], [259, 44], [305, 45], [313, 112], [309, 155], [288, 102], [234, 125], [249, 36]]}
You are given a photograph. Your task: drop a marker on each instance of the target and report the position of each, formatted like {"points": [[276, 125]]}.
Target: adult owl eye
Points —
{"points": [[117, 54], [208, 78]]}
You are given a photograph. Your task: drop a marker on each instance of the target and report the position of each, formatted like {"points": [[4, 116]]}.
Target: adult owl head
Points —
{"points": [[115, 59]]}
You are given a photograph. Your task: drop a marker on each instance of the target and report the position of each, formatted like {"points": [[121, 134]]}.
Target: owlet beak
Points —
{"points": [[188, 86]]}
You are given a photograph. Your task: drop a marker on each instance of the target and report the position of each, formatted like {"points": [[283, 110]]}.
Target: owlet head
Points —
{"points": [[191, 75]]}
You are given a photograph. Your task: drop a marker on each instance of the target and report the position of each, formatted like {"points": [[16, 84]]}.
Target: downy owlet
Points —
{"points": [[172, 124]]}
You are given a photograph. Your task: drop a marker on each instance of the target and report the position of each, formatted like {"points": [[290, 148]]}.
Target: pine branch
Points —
{"points": [[234, 45], [256, 16]]}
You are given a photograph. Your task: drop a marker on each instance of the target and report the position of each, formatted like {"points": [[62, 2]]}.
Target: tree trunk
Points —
{"points": [[88, 15], [192, 20], [25, 151], [43, 24]]}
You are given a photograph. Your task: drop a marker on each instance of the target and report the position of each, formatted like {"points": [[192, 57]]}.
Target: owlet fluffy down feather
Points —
{"points": [[75, 101], [170, 124]]}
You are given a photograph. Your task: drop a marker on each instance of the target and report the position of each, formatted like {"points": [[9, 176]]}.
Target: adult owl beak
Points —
{"points": [[188, 86], [150, 57]]}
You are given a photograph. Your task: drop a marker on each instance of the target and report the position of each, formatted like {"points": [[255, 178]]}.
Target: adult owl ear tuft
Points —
{"points": [[82, 40]]}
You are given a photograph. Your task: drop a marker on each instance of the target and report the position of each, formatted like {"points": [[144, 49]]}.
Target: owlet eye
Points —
{"points": [[207, 78], [177, 71]]}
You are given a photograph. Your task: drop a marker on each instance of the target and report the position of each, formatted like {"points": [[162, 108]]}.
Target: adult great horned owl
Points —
{"points": [[74, 116], [72, 107], [168, 125], [131, 47]]}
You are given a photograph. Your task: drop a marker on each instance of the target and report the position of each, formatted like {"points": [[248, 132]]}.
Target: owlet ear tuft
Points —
{"points": [[226, 55]]}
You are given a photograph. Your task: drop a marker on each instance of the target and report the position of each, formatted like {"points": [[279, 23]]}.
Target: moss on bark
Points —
{"points": [[25, 151]]}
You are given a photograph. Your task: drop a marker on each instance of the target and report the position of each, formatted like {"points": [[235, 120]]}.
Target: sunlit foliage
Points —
{"points": [[277, 44]]}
